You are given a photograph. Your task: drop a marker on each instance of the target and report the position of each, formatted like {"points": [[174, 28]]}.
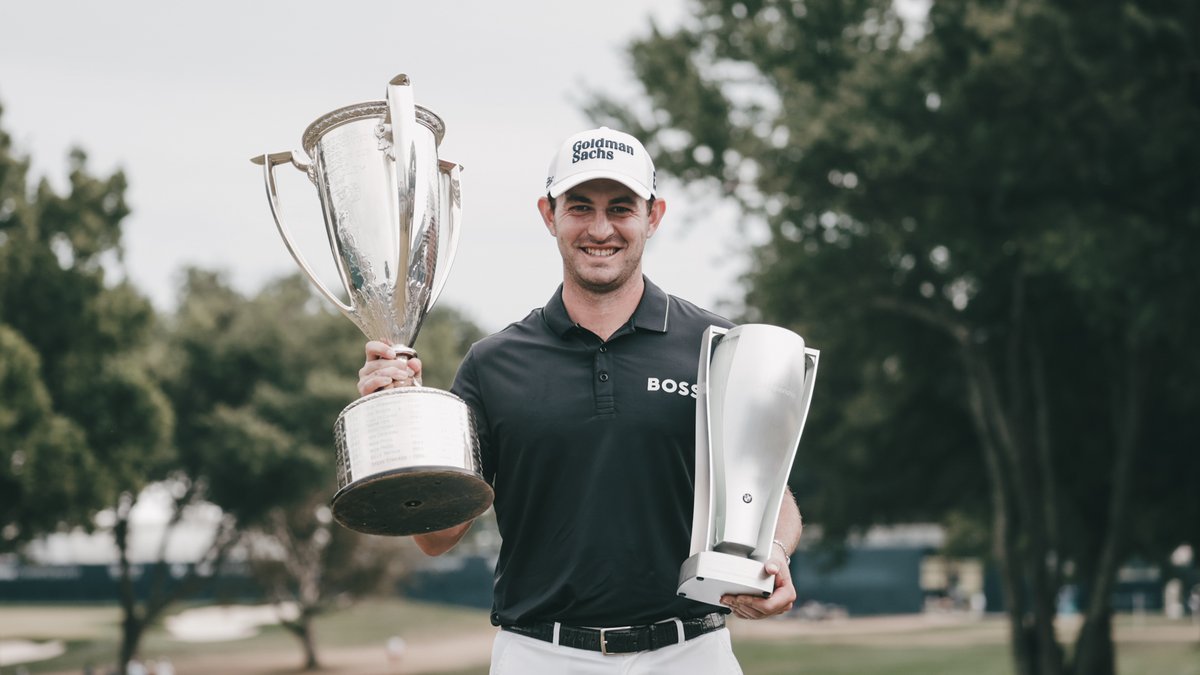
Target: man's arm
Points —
{"points": [[790, 524], [437, 543], [787, 536]]}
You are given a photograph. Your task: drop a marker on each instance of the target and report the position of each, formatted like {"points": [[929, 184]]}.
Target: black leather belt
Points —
{"points": [[625, 640]]}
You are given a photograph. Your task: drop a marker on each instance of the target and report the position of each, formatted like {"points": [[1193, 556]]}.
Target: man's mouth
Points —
{"points": [[600, 252]]}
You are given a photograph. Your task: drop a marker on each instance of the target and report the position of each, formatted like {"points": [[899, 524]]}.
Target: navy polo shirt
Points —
{"points": [[590, 446]]}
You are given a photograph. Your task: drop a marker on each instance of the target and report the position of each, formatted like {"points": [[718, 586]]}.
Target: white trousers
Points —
{"points": [[707, 654]]}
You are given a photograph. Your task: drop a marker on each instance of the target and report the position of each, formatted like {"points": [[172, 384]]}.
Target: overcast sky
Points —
{"points": [[180, 96]]}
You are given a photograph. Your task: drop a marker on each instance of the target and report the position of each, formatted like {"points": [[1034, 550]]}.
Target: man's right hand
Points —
{"points": [[385, 370]]}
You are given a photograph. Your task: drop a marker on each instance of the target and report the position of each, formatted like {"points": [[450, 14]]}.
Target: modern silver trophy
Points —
{"points": [[407, 458], [755, 385]]}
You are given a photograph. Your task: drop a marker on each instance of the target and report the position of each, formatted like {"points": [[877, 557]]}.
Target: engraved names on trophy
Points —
{"points": [[384, 433]]}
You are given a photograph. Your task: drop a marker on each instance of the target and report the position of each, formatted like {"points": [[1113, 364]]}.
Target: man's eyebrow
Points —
{"points": [[574, 197]]}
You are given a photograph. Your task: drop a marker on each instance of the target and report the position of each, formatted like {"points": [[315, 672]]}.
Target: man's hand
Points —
{"points": [[755, 607], [385, 370]]}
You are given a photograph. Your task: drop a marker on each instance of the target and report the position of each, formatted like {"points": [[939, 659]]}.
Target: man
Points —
{"points": [[591, 454]]}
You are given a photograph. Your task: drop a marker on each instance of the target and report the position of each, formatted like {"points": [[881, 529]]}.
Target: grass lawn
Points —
{"points": [[456, 641], [92, 633], [800, 658]]}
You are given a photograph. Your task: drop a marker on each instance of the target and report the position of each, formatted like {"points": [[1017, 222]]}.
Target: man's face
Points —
{"points": [[601, 227]]}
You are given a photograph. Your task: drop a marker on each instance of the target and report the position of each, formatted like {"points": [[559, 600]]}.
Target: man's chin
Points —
{"points": [[602, 284]]}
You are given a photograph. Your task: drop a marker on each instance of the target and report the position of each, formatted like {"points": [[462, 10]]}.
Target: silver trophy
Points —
{"points": [[407, 458], [755, 385]]}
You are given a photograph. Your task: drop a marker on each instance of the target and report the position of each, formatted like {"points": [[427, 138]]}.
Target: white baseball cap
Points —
{"points": [[601, 153]]}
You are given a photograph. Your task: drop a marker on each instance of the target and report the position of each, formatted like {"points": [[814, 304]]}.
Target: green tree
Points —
{"points": [[987, 225], [86, 426], [44, 454], [258, 382], [83, 420]]}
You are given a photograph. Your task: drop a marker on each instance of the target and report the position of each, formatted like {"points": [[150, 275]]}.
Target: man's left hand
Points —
{"points": [[755, 607]]}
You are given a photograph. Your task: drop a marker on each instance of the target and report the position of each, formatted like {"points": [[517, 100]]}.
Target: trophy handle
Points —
{"points": [[269, 161], [451, 204], [704, 485]]}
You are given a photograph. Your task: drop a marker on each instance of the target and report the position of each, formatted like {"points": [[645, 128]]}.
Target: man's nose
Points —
{"points": [[600, 227]]}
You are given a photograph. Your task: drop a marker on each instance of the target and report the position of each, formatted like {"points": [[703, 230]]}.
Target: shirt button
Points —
{"points": [[603, 349], [604, 376]]}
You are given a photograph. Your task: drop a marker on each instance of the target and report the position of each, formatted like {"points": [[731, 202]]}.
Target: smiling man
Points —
{"points": [[591, 452]]}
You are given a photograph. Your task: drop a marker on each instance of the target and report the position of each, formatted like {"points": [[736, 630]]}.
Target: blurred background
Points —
{"points": [[983, 213]]}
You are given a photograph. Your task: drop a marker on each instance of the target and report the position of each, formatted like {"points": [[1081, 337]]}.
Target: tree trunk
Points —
{"points": [[302, 629], [132, 624], [1094, 652], [136, 617], [1019, 516], [1001, 525], [310, 648], [132, 630], [1012, 429]]}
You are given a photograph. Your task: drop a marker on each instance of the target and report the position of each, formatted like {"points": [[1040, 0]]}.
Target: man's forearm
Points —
{"points": [[790, 524]]}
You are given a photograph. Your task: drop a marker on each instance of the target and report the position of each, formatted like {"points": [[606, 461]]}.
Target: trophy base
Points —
{"points": [[708, 575], [412, 500], [408, 463]]}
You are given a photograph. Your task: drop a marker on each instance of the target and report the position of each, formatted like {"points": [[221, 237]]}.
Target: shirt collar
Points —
{"points": [[652, 313]]}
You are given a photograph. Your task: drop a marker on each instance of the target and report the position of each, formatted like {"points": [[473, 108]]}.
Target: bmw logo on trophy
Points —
{"points": [[407, 458], [755, 384]]}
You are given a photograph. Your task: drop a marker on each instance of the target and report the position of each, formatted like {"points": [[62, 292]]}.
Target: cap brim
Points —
{"points": [[571, 181]]}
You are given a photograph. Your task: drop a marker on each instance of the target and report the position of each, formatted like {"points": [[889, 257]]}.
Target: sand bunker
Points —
{"points": [[221, 623], [13, 652]]}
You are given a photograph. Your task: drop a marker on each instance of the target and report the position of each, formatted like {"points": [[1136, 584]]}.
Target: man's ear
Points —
{"points": [[655, 216], [547, 212]]}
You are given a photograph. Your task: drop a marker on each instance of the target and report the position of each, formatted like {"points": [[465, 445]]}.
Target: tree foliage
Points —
{"points": [[986, 225], [258, 382], [45, 454], [81, 419]]}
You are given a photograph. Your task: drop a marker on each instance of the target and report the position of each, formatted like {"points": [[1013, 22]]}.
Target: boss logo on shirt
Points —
{"points": [[668, 386]]}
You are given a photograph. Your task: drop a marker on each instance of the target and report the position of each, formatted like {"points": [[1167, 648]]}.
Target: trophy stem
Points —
{"points": [[403, 354]]}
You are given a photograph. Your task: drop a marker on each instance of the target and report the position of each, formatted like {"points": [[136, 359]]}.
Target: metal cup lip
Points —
{"points": [[398, 391], [356, 111]]}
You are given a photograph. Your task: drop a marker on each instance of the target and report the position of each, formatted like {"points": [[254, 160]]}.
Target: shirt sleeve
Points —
{"points": [[468, 387]]}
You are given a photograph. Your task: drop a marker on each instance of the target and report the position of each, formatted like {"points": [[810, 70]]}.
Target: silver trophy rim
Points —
{"points": [[356, 111], [392, 392]]}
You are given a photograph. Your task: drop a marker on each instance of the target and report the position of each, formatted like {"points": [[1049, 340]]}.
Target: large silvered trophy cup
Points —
{"points": [[755, 386], [407, 458]]}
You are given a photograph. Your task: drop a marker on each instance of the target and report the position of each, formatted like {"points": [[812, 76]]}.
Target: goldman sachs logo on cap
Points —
{"points": [[598, 148]]}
